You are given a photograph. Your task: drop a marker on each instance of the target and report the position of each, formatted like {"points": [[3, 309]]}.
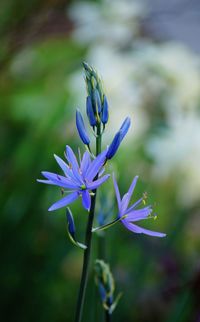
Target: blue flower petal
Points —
{"points": [[138, 230], [60, 180], [46, 181], [135, 205], [86, 200], [64, 201], [85, 163], [127, 196], [74, 164], [95, 184], [138, 214], [95, 166], [66, 169], [62, 164]]}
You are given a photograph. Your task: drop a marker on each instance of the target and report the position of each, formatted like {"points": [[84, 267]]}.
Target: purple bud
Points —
{"points": [[118, 138], [97, 100], [102, 292], [125, 127], [70, 221], [81, 128], [114, 146], [90, 112], [104, 117]]}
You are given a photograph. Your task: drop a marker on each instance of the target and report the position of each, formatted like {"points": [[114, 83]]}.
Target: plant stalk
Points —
{"points": [[88, 242], [107, 316]]}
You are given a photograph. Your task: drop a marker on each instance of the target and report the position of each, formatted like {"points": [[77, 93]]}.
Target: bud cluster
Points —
{"points": [[106, 285], [96, 101]]}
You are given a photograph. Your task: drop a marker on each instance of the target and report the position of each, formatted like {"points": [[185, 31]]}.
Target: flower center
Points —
{"points": [[83, 187]]}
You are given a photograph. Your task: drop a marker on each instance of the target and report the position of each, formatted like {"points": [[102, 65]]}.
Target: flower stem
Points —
{"points": [[88, 242], [85, 269], [107, 316]]}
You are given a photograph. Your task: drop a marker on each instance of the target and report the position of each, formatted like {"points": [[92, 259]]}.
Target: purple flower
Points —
{"points": [[132, 214], [78, 179]]}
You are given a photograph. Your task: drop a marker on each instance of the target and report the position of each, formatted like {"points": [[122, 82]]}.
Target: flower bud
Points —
{"points": [[104, 116], [90, 112], [81, 128], [72, 230], [118, 138], [97, 101], [106, 286], [114, 146], [125, 127], [71, 225]]}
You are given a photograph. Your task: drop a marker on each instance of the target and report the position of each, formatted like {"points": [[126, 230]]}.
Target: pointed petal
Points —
{"points": [[64, 166], [46, 181], [135, 205], [117, 192], [85, 162], [74, 164], [138, 214], [123, 207], [138, 230], [86, 199], [60, 180], [95, 184], [95, 166], [127, 197], [64, 201], [61, 163], [71, 157]]}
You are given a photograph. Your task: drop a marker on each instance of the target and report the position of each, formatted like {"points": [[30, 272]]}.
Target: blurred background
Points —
{"points": [[148, 53]]}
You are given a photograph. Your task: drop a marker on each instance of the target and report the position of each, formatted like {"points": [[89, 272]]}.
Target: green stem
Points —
{"points": [[107, 316], [88, 242], [86, 258], [98, 140]]}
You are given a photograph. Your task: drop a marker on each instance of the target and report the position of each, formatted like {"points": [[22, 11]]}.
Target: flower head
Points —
{"points": [[131, 214], [79, 179]]}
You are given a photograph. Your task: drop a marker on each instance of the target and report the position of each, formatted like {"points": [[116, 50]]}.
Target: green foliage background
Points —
{"points": [[40, 269]]}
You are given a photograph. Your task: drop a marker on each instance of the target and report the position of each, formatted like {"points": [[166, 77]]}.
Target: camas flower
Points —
{"points": [[78, 179], [132, 214]]}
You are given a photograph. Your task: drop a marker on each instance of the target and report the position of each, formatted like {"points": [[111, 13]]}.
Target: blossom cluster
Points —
{"points": [[81, 179]]}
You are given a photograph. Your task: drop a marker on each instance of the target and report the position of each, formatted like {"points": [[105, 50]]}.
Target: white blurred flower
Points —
{"points": [[177, 155], [173, 68], [114, 22]]}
